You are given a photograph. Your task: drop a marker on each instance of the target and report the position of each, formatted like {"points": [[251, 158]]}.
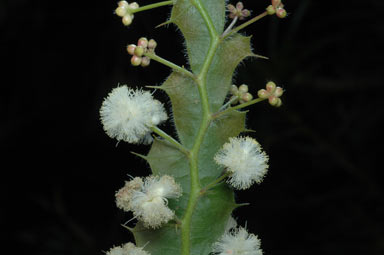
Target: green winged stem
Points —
{"points": [[196, 96]]}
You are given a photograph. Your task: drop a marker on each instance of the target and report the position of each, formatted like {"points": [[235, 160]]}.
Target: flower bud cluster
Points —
{"points": [[277, 8], [240, 94], [238, 11], [273, 94], [137, 51], [148, 199], [124, 10]]}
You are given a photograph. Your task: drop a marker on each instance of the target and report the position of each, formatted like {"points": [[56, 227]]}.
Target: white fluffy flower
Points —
{"points": [[129, 114], [148, 200], [127, 249], [237, 242], [244, 158]]}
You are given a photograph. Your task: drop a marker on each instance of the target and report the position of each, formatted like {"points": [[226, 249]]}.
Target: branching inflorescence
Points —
{"points": [[185, 206]]}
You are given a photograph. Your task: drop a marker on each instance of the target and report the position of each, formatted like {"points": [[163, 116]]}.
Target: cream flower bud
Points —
{"points": [[135, 60], [131, 49], [128, 114], [145, 61], [243, 88], [121, 11], [244, 158], [127, 19], [127, 249], [271, 10], [139, 51], [143, 42], [271, 86], [281, 13], [123, 4], [134, 5], [152, 44], [237, 242], [246, 97], [262, 93]]}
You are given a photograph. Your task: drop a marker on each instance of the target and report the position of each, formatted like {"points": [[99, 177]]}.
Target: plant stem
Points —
{"points": [[206, 120], [230, 101], [170, 64], [245, 24], [170, 140], [230, 26], [254, 101], [151, 6]]}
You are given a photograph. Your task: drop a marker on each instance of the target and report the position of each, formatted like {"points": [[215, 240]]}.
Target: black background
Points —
{"points": [[324, 191]]}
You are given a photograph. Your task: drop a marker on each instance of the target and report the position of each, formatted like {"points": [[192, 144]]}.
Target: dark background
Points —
{"points": [[324, 191]]}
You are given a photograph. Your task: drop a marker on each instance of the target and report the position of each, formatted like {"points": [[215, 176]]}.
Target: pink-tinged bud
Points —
{"points": [[123, 4], [271, 10], [231, 8], [234, 90], [121, 11], [139, 51], [281, 13], [276, 3], [143, 42], [247, 97], [262, 93], [243, 89], [273, 100], [152, 44], [131, 49], [232, 15], [239, 6], [271, 86], [134, 5], [145, 61], [127, 19], [278, 92], [245, 13], [135, 60]]}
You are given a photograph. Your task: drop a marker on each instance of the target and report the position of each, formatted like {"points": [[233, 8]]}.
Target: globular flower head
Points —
{"points": [[128, 114], [148, 199], [127, 249], [244, 158], [237, 242]]}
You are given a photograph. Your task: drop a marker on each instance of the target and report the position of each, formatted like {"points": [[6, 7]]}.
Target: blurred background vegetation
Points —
{"points": [[324, 191]]}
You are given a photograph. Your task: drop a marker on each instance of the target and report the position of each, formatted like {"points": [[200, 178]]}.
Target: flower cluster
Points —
{"points": [[273, 94], [240, 94], [148, 199], [237, 241], [277, 8], [245, 160], [128, 115], [137, 52], [124, 10], [127, 249], [238, 11]]}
